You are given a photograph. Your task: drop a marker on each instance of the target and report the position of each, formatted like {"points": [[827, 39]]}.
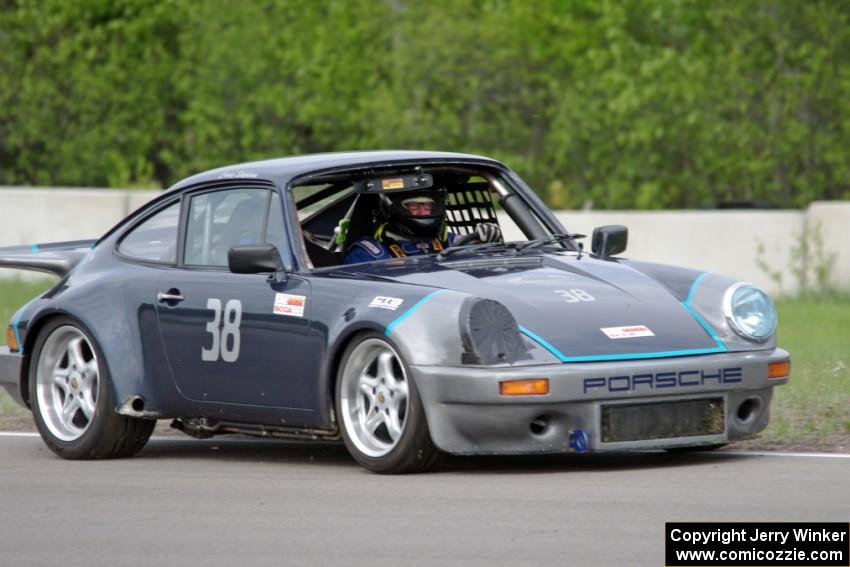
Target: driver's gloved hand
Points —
{"points": [[484, 232], [488, 232]]}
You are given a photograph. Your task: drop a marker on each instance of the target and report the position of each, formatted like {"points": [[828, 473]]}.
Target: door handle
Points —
{"points": [[169, 296]]}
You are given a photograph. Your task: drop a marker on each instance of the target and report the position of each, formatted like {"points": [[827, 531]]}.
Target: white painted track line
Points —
{"points": [[153, 438], [792, 455], [724, 453]]}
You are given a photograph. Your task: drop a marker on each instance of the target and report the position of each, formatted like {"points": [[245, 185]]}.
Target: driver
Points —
{"points": [[414, 224]]}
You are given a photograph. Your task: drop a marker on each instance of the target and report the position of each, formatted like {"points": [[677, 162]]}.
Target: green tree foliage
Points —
{"points": [[645, 103], [86, 91]]}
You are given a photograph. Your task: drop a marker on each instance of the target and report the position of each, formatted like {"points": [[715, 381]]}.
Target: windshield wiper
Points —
{"points": [[518, 247], [549, 240], [476, 248]]}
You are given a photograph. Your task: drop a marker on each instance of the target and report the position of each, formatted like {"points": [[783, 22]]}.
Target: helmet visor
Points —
{"points": [[419, 206]]}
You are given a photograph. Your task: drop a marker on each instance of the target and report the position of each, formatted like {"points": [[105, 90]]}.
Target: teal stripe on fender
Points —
{"points": [[694, 287], [707, 328], [15, 324], [542, 342], [410, 311], [702, 322]]}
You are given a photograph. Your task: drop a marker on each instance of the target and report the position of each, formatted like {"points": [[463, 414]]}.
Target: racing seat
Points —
{"points": [[320, 256], [243, 227], [362, 221]]}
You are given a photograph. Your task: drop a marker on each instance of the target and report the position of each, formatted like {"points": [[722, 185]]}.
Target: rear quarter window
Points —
{"points": [[155, 239]]}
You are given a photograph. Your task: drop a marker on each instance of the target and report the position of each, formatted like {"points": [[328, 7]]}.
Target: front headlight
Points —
{"points": [[750, 311]]}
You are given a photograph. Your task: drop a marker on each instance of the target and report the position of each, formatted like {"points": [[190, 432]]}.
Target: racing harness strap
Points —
{"points": [[395, 249]]}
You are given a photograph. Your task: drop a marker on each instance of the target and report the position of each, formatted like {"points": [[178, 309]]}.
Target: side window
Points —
{"points": [[155, 240], [220, 220]]}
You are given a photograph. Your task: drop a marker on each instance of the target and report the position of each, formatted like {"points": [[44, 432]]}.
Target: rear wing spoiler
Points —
{"points": [[56, 258]]}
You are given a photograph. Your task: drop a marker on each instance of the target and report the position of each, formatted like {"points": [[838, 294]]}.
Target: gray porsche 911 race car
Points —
{"points": [[286, 298]]}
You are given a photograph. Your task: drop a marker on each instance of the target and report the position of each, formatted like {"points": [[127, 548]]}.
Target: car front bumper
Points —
{"points": [[10, 373], [467, 415]]}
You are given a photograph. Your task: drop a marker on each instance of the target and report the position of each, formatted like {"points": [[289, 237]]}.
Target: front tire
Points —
{"points": [[71, 399], [379, 410]]}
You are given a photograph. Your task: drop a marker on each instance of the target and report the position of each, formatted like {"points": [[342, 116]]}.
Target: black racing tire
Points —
{"points": [[65, 352], [696, 448], [411, 450]]}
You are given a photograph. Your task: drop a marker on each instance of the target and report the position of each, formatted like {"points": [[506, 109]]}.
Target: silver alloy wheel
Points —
{"points": [[67, 379], [374, 397]]}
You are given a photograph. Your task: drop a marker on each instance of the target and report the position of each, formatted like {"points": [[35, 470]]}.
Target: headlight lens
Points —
{"points": [[750, 311]]}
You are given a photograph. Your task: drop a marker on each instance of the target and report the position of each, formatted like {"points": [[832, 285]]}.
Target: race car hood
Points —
{"points": [[579, 309]]}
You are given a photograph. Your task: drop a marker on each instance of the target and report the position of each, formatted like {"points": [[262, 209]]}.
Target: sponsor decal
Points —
{"points": [[391, 303], [629, 332], [649, 381], [287, 304], [390, 184], [372, 247]]}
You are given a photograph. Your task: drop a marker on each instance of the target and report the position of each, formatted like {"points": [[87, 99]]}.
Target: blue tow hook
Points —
{"points": [[579, 441]]}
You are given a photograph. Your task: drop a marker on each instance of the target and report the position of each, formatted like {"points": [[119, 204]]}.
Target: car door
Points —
{"points": [[236, 338]]}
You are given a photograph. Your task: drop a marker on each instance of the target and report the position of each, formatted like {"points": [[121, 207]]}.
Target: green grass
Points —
{"points": [[813, 409], [14, 293]]}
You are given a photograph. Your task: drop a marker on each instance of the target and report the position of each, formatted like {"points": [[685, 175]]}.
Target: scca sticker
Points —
{"points": [[627, 332], [287, 304], [391, 303]]}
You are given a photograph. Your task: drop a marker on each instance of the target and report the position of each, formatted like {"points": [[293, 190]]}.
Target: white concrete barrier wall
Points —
{"points": [[832, 219], [727, 242], [38, 215], [52, 215]]}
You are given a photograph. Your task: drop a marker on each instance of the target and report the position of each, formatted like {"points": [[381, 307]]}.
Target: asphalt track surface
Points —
{"points": [[241, 502]]}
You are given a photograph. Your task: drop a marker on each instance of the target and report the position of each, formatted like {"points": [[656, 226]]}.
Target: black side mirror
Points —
{"points": [[254, 259], [609, 240]]}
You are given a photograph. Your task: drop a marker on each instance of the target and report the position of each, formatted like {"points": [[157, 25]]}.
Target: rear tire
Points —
{"points": [[71, 398], [379, 410]]}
